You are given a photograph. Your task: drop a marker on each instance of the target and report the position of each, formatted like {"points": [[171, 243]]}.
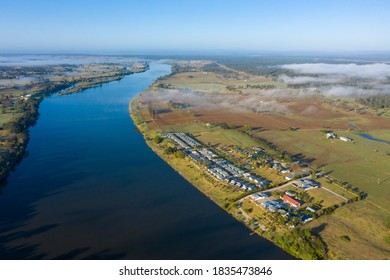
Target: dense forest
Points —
{"points": [[379, 101]]}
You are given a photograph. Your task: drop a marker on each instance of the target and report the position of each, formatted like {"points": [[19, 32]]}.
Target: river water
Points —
{"points": [[370, 137], [90, 188]]}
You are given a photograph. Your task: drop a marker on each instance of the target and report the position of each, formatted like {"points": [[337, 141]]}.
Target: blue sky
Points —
{"points": [[197, 25]]}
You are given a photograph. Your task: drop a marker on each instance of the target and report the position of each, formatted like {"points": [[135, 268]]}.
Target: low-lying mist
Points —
{"points": [[306, 84], [253, 102], [340, 80]]}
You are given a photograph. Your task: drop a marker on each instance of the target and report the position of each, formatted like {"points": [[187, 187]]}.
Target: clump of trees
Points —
{"points": [[302, 243], [25, 115], [158, 139], [249, 86], [226, 126], [247, 128], [349, 188], [378, 101], [345, 238], [179, 154], [166, 86], [169, 151], [178, 105], [216, 68]]}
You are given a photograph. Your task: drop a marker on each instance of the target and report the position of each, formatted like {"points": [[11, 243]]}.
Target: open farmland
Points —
{"points": [[216, 106]]}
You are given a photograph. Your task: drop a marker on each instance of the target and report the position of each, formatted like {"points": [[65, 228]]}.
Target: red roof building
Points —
{"points": [[290, 200]]}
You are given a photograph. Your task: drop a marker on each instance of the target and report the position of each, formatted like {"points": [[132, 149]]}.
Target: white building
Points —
{"points": [[346, 139]]}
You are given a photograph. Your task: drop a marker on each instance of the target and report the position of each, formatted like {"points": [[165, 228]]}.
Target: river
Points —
{"points": [[90, 188], [370, 137]]}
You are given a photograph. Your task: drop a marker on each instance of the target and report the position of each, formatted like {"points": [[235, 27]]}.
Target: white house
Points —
{"points": [[346, 139], [330, 135]]}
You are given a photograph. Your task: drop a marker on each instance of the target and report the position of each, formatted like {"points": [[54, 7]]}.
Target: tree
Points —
{"points": [[246, 128], [158, 139], [169, 151], [288, 158], [180, 154]]}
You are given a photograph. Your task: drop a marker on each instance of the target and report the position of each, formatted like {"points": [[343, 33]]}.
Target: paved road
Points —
{"points": [[289, 183], [277, 188]]}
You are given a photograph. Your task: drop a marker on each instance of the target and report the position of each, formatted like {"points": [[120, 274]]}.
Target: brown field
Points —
{"points": [[309, 113], [267, 121]]}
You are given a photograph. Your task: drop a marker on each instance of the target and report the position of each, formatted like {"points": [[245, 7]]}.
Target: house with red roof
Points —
{"points": [[293, 202]]}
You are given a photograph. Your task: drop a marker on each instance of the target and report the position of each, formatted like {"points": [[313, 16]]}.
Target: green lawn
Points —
{"points": [[4, 118], [324, 197]]}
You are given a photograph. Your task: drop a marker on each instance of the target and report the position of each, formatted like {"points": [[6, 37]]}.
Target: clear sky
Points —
{"points": [[186, 25]]}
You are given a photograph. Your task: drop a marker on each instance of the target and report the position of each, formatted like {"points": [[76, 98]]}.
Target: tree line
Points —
{"points": [[378, 101]]}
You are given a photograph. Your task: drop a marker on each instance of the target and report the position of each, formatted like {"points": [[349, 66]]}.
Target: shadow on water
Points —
{"points": [[23, 209], [31, 252], [22, 251], [104, 255], [26, 234], [72, 254]]}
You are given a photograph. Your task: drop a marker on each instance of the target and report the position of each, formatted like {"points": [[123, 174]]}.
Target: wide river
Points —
{"points": [[91, 188]]}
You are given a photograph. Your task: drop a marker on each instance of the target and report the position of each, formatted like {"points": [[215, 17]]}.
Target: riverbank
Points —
{"points": [[21, 111], [300, 243], [200, 103]]}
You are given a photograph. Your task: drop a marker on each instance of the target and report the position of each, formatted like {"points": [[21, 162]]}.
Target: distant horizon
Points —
{"points": [[183, 52], [88, 26]]}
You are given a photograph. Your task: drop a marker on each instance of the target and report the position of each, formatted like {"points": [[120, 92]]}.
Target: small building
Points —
{"points": [[259, 196], [290, 200], [272, 205], [306, 218], [289, 177], [346, 139], [308, 208], [330, 135], [306, 184], [262, 183], [296, 175], [290, 193]]}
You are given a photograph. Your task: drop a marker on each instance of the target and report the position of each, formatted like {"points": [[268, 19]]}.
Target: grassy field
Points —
{"points": [[333, 187], [212, 82], [324, 197], [366, 226], [4, 118], [364, 164]]}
